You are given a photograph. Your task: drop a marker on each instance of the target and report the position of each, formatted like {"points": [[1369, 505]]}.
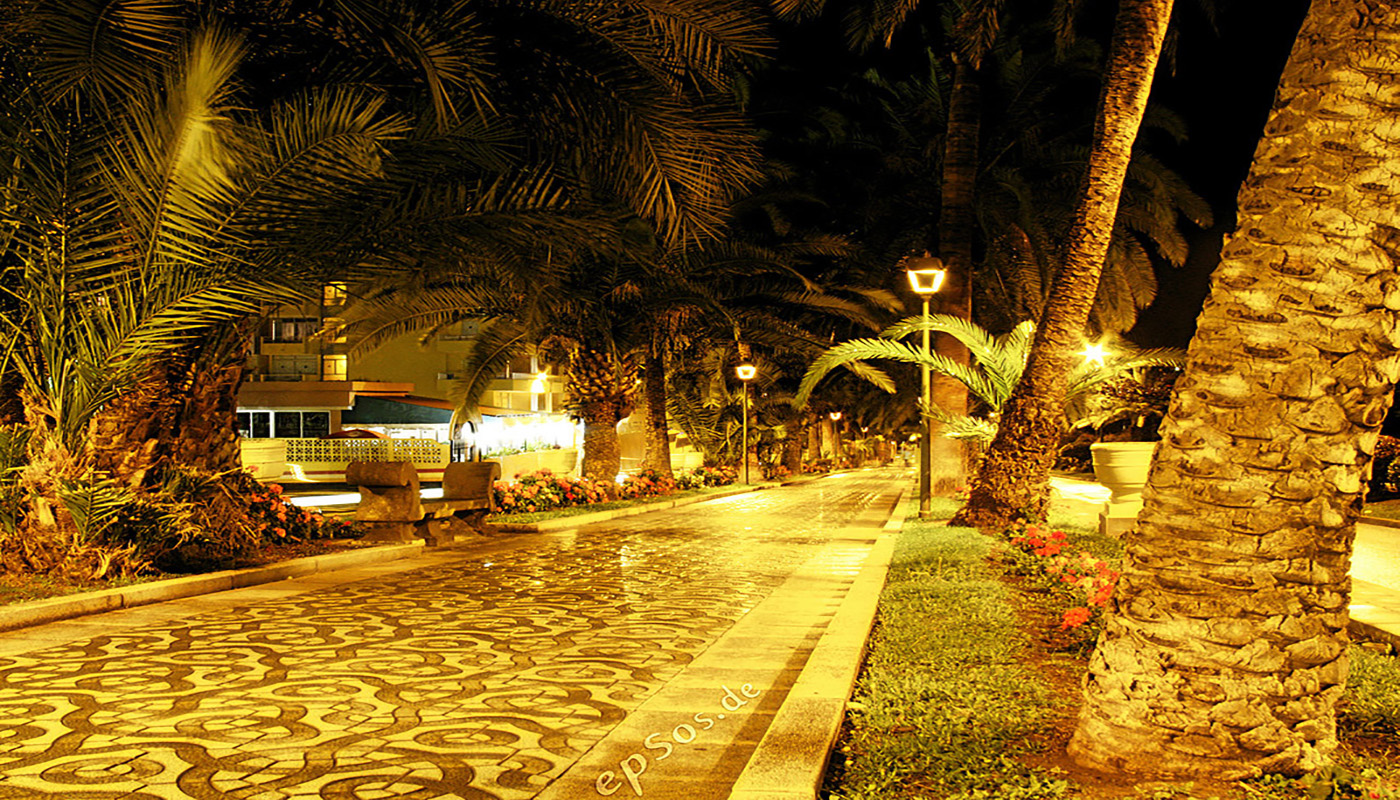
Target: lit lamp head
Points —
{"points": [[926, 274], [537, 385], [746, 372], [835, 416], [1094, 354]]}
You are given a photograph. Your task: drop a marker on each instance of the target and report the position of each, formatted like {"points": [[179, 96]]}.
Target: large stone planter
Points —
{"points": [[1122, 467], [266, 459]]}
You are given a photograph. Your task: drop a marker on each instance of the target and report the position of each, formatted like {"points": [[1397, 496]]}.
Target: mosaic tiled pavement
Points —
{"points": [[485, 676]]}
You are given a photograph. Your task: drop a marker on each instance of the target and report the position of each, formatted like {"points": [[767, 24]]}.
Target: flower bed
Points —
{"points": [[646, 483], [702, 477], [1076, 583], [546, 491], [280, 522]]}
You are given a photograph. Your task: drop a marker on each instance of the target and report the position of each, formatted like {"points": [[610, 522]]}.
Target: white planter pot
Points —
{"points": [[266, 459], [1122, 467]]}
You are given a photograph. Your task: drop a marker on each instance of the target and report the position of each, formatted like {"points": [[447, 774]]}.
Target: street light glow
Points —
{"points": [[926, 274], [1094, 354], [746, 372]]}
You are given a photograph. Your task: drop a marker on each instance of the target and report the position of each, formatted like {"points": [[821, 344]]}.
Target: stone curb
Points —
{"points": [[1366, 632], [1380, 521], [790, 760], [53, 609]]}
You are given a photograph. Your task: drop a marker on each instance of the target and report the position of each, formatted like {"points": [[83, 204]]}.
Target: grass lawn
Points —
{"points": [[980, 705]]}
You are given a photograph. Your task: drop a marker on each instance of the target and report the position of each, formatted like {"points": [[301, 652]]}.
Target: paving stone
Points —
{"points": [[491, 671]]}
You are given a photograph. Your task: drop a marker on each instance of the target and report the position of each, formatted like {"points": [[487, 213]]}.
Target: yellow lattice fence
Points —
{"points": [[326, 459]]}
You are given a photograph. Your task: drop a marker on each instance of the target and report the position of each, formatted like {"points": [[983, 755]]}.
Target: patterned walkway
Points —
{"points": [[484, 675]]}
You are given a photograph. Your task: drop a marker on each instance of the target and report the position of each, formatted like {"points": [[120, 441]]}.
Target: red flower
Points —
{"points": [[1101, 596], [274, 488], [1075, 617]]}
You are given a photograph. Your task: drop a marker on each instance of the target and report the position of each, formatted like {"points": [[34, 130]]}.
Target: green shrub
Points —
{"points": [[1372, 701], [14, 449]]}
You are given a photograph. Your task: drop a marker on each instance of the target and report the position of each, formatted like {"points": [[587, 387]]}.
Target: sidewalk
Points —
{"points": [[1375, 584], [663, 654]]}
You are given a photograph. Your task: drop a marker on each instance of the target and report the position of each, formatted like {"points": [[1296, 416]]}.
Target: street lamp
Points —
{"points": [[835, 417], [926, 276], [1094, 354], [746, 373]]}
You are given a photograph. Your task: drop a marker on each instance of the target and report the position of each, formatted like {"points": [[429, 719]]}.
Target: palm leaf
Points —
{"points": [[491, 351]]}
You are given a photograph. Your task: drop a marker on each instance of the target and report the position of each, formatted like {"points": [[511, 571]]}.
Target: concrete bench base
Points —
{"points": [[392, 509]]}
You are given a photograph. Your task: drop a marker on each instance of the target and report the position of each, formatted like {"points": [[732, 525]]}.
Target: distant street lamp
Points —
{"points": [[746, 373], [926, 276], [835, 435]]}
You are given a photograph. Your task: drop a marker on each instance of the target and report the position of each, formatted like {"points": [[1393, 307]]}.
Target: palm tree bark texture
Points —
{"points": [[602, 392], [657, 455], [956, 223], [1224, 650], [1015, 476]]}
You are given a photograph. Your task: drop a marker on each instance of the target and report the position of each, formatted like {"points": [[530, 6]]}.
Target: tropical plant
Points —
{"points": [[1014, 477], [997, 364], [149, 213], [1237, 573]]}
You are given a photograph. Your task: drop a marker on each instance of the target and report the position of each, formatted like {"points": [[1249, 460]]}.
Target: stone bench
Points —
{"points": [[393, 510]]}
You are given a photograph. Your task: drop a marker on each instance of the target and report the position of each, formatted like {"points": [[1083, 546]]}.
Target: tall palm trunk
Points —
{"points": [[657, 433], [956, 224], [602, 390], [125, 436], [1014, 479], [208, 427], [795, 443], [1224, 651], [183, 413]]}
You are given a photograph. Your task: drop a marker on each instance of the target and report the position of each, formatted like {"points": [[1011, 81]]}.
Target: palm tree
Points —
{"points": [[1224, 651], [604, 315], [997, 365], [134, 235], [1014, 477]]}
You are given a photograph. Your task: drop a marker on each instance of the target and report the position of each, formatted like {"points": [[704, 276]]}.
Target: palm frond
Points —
{"points": [[964, 427], [103, 46], [93, 504], [490, 352]]}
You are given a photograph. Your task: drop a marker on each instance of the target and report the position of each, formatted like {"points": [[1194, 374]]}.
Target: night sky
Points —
{"points": [[1224, 87]]}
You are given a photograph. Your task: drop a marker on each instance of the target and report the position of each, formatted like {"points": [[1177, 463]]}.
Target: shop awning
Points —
{"points": [[397, 411]]}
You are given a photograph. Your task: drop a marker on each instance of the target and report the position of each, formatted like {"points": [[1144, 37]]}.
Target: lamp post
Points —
{"points": [[746, 373], [926, 276], [835, 417]]}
